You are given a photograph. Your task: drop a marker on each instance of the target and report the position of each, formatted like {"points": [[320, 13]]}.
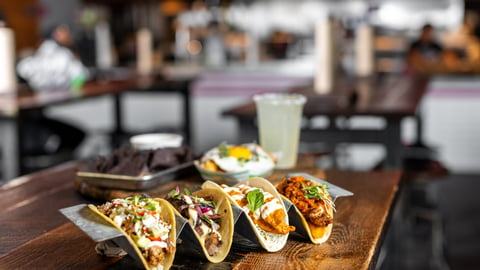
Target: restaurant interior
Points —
{"points": [[396, 89]]}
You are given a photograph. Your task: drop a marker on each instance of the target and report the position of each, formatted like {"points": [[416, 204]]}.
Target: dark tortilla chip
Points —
{"points": [[133, 165], [170, 157], [165, 158], [97, 165], [132, 162]]}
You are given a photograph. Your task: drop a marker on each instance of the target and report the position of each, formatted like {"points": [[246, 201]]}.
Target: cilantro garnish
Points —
{"points": [[206, 219], [255, 199], [175, 194], [209, 203], [242, 161], [312, 192], [223, 149], [316, 192]]}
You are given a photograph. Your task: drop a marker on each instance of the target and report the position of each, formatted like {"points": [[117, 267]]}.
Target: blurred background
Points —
{"points": [[233, 40], [238, 48]]}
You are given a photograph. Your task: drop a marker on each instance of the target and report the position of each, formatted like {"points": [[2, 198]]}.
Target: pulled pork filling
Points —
{"points": [[140, 217], [313, 200], [263, 208], [202, 214]]}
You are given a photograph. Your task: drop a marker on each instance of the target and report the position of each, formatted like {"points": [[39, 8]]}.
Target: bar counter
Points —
{"points": [[35, 235]]}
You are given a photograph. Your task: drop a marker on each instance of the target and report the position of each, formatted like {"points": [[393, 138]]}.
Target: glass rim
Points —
{"points": [[280, 98]]}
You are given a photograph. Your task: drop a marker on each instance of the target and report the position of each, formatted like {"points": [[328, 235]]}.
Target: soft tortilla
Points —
{"points": [[226, 226], [169, 217], [309, 228], [259, 182]]}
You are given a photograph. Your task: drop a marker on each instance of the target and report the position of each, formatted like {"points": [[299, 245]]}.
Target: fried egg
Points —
{"points": [[237, 158]]}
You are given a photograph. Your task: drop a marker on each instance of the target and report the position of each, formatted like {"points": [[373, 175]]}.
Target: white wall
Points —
{"points": [[452, 122]]}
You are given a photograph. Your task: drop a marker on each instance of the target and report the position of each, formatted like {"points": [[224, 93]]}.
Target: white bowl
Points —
{"points": [[156, 140]]}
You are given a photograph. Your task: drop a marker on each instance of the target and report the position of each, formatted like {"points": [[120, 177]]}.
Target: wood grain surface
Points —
{"points": [[34, 235]]}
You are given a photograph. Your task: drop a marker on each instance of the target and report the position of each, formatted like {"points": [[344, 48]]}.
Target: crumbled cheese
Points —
{"points": [[119, 219], [161, 244]]}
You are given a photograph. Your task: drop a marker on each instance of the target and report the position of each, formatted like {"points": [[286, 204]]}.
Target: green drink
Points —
{"points": [[279, 119]]}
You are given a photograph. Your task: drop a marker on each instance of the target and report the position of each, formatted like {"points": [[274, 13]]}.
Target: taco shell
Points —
{"points": [[316, 234], [271, 242], [226, 225], [167, 213]]}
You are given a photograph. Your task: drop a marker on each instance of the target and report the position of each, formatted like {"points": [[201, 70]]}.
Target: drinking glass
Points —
{"points": [[279, 118]]}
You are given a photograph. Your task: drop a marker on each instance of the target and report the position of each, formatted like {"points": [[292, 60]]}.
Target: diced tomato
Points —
{"points": [[154, 238], [142, 213]]}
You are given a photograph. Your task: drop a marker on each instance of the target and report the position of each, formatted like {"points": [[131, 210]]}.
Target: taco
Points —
{"points": [[147, 223], [209, 214], [258, 198], [313, 204]]}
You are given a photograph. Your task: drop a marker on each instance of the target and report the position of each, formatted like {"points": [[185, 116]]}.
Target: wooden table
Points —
{"points": [[391, 98], [15, 108], [34, 235]]}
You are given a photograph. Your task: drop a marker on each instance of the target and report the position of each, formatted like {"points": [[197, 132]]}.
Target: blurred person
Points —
{"points": [[42, 136], [278, 44], [55, 64], [62, 35], [425, 53]]}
